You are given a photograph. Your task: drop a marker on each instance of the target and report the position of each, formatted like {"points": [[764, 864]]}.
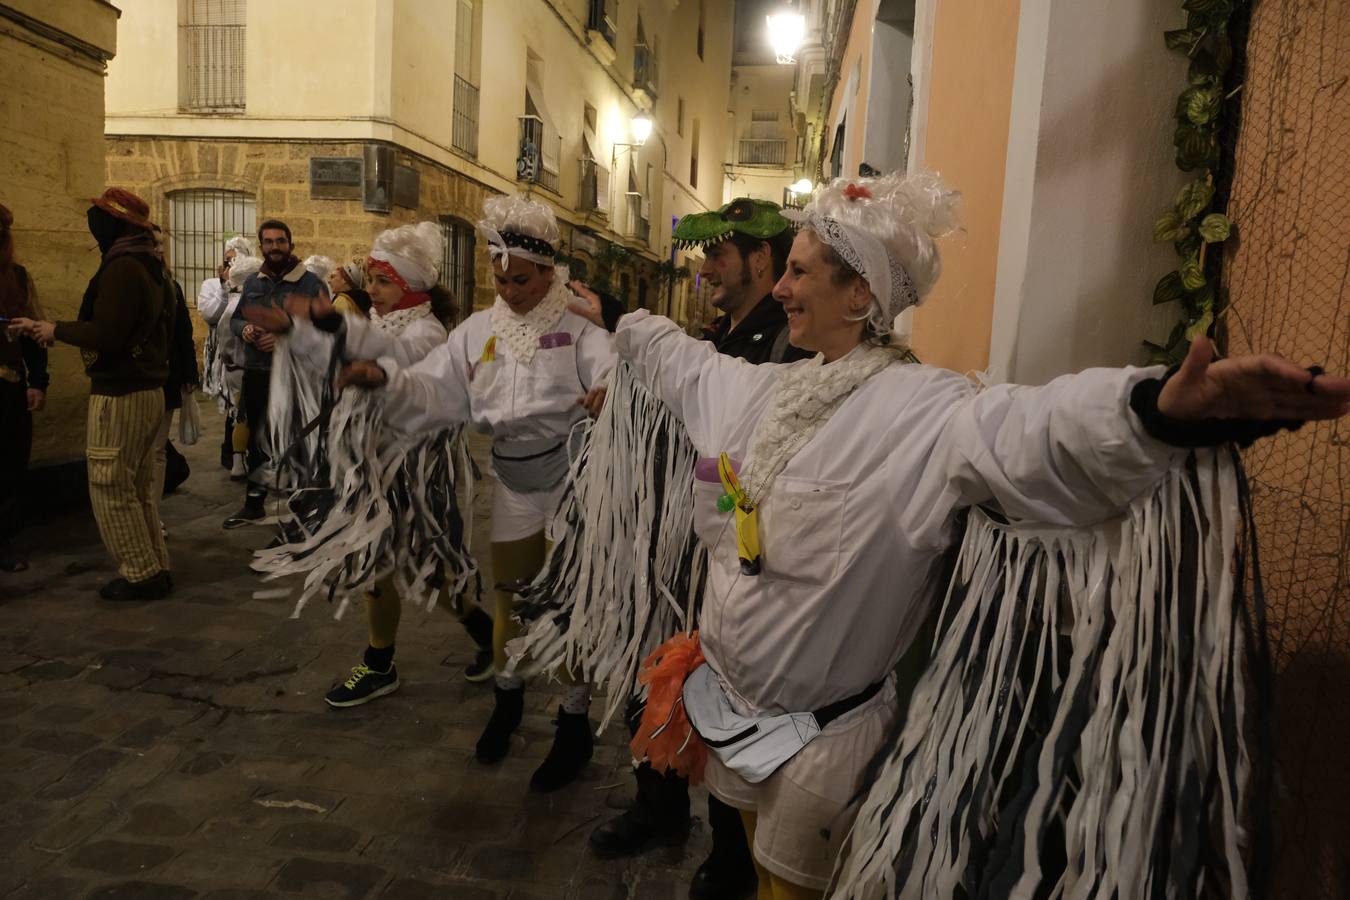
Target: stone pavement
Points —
{"points": [[182, 749]]}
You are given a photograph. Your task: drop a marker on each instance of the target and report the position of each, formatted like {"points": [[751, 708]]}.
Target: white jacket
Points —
{"points": [[854, 529], [212, 298], [503, 397]]}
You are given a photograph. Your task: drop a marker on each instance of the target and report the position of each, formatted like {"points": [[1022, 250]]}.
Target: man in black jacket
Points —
{"points": [[745, 246]]}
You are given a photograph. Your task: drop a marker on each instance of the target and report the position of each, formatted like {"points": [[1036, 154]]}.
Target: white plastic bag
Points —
{"points": [[189, 420]]}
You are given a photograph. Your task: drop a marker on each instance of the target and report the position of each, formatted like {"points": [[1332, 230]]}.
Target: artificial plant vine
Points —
{"points": [[1194, 225]]}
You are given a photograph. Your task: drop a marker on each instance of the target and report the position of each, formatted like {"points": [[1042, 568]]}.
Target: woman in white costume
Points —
{"points": [[409, 315], [221, 378], [519, 372], [828, 492]]}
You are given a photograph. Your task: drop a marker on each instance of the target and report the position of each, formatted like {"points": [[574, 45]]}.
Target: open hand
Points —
{"points": [[1261, 388], [361, 373], [589, 309]]}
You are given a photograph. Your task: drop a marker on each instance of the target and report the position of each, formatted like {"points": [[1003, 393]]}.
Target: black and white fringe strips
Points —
{"points": [[298, 395], [395, 512], [628, 572], [1082, 728]]}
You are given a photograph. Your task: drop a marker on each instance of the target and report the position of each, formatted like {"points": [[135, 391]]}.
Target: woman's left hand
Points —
{"points": [[594, 401], [1260, 388]]}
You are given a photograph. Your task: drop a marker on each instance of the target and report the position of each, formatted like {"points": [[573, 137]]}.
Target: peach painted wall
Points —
{"points": [[966, 140]]}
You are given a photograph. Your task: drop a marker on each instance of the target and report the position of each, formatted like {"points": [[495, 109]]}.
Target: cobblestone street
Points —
{"points": [[182, 749]]}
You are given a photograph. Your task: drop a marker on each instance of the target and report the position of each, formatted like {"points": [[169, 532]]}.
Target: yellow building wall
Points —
{"points": [[973, 51], [51, 164], [383, 70]]}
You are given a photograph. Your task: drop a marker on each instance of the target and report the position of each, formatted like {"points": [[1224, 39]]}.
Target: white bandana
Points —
{"points": [[806, 397], [396, 322], [521, 334]]}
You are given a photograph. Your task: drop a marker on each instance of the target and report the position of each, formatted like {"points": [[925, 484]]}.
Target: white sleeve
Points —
{"points": [[595, 356], [365, 341], [430, 394], [1069, 453], [212, 299], [701, 386]]}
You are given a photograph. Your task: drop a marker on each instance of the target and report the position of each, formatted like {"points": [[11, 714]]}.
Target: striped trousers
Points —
{"points": [[122, 485]]}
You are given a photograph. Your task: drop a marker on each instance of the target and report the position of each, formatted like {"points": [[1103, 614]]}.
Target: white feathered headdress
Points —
{"points": [[885, 229], [240, 244], [518, 226], [241, 267], [410, 254]]}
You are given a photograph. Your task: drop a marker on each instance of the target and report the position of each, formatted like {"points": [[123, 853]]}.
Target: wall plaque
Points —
{"points": [[335, 178]]}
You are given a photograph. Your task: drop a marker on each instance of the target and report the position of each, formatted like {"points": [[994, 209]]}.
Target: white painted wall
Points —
{"points": [[1089, 169], [888, 100]]}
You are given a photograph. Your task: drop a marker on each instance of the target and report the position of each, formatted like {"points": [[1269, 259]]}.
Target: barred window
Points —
{"points": [[213, 52], [200, 221], [457, 264]]}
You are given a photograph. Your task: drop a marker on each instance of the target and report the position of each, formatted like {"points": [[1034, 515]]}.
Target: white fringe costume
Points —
{"points": [[399, 506], [1082, 728]]}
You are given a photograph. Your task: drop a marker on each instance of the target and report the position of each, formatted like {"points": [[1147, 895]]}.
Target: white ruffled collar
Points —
{"points": [[805, 398], [521, 333]]}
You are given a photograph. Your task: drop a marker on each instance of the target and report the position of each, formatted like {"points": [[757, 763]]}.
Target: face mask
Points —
{"points": [[105, 227]]}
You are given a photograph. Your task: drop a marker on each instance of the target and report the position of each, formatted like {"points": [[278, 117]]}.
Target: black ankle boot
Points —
{"points": [[571, 750], [659, 816], [496, 738]]}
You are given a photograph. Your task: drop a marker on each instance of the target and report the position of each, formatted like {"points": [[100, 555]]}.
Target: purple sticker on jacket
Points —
{"points": [[555, 340]]}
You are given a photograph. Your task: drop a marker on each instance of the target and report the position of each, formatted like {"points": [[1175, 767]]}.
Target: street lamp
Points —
{"points": [[786, 31], [801, 186], [642, 129]]}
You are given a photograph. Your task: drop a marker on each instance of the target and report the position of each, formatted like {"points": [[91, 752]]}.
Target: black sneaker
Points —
{"points": [[247, 515], [482, 667], [12, 562], [364, 685], [156, 587]]}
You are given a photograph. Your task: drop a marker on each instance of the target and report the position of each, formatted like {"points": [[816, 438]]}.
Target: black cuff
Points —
{"points": [[1198, 432], [331, 323]]}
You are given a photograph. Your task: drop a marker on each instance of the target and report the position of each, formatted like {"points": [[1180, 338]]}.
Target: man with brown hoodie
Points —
{"points": [[123, 330]]}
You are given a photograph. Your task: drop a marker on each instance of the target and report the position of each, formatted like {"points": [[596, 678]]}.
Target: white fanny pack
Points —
{"points": [[754, 747]]}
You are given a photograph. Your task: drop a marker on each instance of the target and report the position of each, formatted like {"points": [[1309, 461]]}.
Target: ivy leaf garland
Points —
{"points": [[1191, 226]]}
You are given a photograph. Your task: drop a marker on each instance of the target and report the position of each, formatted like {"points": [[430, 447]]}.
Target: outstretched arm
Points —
{"points": [[1079, 449], [427, 396]]}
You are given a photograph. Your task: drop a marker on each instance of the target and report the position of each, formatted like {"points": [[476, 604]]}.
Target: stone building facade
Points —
{"points": [[52, 62]]}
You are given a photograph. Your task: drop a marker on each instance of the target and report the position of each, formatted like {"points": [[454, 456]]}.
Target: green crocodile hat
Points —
{"points": [[757, 218]]}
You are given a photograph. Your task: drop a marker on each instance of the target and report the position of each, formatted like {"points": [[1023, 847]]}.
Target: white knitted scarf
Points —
{"points": [[807, 396], [521, 333], [396, 322]]}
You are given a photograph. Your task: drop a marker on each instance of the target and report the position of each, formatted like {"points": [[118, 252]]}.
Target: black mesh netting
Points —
{"points": [[1288, 276]]}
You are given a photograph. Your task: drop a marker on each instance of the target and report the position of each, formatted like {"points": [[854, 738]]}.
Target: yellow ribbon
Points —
{"points": [[489, 350], [747, 517]]}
